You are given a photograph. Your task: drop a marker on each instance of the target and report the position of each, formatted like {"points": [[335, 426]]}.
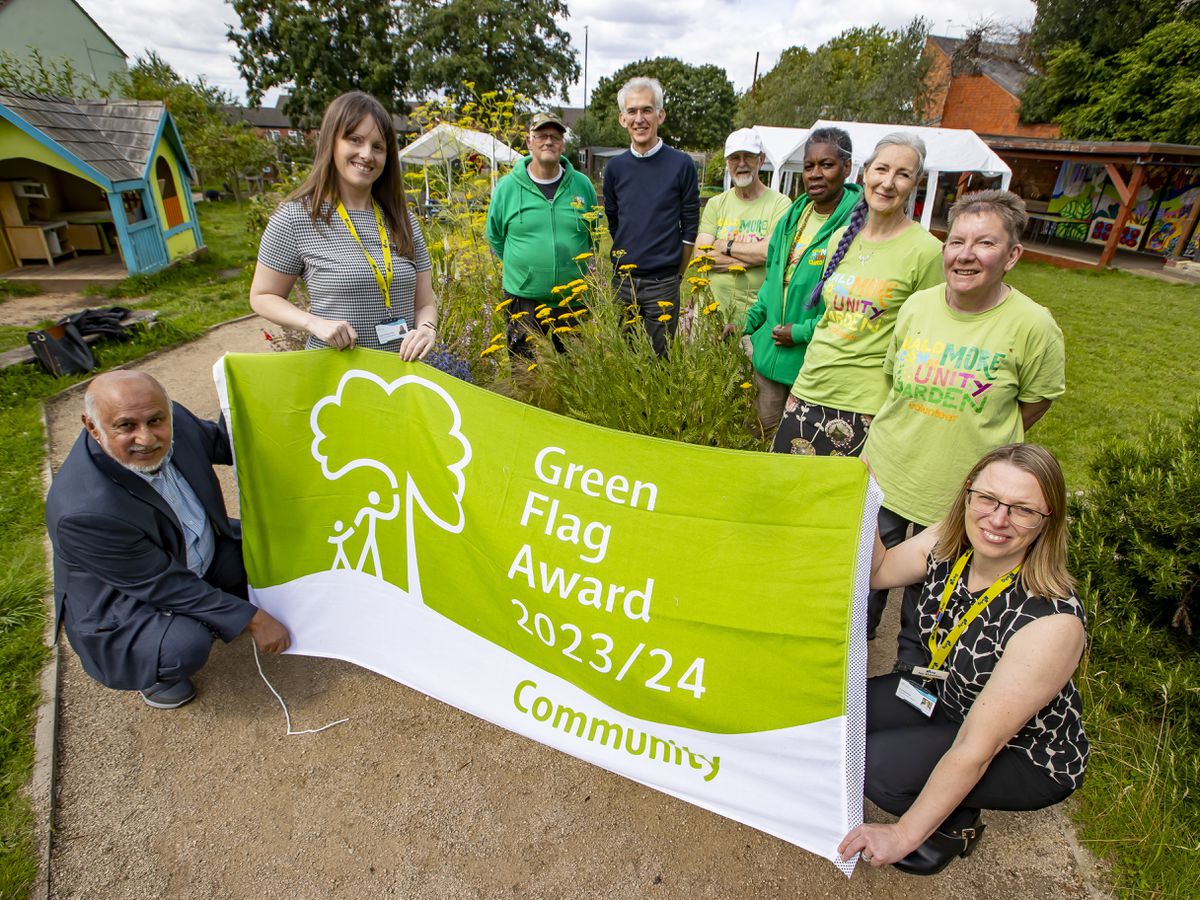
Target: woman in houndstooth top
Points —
{"points": [[348, 233]]}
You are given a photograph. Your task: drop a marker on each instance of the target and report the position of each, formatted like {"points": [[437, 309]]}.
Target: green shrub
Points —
{"points": [[1137, 533]]}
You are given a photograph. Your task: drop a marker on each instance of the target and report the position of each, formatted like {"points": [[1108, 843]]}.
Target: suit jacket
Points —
{"points": [[120, 555]]}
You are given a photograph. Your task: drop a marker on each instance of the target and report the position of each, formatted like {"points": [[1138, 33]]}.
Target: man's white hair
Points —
{"points": [[641, 83]]}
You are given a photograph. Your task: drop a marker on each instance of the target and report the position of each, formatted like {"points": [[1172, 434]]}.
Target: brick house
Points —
{"points": [[977, 84]]}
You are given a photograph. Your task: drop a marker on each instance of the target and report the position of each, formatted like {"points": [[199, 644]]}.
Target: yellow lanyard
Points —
{"points": [[383, 280], [793, 266], [940, 650]]}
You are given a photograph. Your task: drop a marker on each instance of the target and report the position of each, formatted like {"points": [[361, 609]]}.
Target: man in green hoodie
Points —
{"points": [[780, 323], [536, 226]]}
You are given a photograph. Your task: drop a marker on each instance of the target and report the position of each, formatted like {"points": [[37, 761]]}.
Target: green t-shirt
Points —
{"points": [[726, 217], [843, 368], [956, 382]]}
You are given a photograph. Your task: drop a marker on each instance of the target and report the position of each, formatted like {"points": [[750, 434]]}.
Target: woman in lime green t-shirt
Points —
{"points": [[882, 256]]}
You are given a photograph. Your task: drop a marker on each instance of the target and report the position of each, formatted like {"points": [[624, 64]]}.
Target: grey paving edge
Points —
{"points": [[42, 781]]}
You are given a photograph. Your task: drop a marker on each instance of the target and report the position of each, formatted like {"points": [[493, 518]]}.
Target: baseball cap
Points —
{"points": [[744, 140], [542, 119]]}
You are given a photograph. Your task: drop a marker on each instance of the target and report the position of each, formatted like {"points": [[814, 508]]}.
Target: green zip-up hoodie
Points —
{"points": [[772, 308], [537, 239]]}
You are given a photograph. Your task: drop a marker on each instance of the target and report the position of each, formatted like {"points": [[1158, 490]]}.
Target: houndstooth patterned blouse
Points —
{"points": [[340, 283], [1053, 739]]}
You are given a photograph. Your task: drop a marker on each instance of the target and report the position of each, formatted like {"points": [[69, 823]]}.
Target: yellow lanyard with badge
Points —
{"points": [[382, 278], [921, 698]]}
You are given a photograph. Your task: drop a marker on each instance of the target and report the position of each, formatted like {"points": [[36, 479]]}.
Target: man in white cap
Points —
{"points": [[738, 224]]}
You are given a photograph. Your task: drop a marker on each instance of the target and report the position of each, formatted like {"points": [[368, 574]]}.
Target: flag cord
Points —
{"points": [[286, 715]]}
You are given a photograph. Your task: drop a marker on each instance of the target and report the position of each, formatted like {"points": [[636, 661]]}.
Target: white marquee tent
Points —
{"points": [[949, 150], [445, 143]]}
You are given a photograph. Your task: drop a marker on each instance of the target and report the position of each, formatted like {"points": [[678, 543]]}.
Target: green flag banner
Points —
{"points": [[688, 617]]}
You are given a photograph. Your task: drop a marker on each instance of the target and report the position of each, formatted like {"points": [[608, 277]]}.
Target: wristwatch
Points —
{"points": [[729, 247]]}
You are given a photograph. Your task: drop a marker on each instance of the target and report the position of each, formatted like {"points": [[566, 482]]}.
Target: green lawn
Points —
{"points": [[1129, 341], [1129, 346]]}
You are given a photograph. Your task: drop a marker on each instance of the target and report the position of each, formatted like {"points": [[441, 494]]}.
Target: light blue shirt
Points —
{"points": [[173, 487]]}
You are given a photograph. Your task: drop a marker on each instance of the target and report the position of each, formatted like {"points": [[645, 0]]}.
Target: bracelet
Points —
{"points": [[428, 325], [729, 247]]}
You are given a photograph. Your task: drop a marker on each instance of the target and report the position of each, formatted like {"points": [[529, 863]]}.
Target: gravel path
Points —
{"points": [[412, 798]]}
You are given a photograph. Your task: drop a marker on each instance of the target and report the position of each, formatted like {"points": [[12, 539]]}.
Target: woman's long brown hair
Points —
{"points": [[319, 190]]}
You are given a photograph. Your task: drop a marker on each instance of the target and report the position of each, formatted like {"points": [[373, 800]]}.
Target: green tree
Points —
{"points": [[700, 103], [495, 44], [1139, 80], [222, 151], [318, 49], [864, 74], [1100, 27]]}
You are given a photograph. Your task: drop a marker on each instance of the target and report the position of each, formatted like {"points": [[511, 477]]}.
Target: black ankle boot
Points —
{"points": [[941, 849]]}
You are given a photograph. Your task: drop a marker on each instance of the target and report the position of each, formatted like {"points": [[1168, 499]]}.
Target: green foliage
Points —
{"points": [[1117, 70], [700, 103], [862, 75], [1104, 27], [494, 44], [1137, 531], [55, 77], [1135, 550], [220, 150], [318, 49]]}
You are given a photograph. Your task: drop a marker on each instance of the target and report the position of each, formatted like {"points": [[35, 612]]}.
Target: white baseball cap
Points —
{"points": [[744, 140]]}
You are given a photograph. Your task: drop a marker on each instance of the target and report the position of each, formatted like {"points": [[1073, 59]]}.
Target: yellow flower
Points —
{"points": [[589, 216], [470, 85], [502, 304], [497, 336], [704, 268], [489, 350], [702, 282], [541, 306], [665, 317], [633, 321], [560, 287], [518, 316], [486, 94], [628, 267], [665, 304], [737, 268], [745, 385], [578, 281], [562, 329], [544, 312], [711, 308], [531, 367], [577, 204], [706, 247]]}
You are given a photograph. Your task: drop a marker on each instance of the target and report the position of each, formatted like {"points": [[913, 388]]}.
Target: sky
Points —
{"points": [[190, 34]]}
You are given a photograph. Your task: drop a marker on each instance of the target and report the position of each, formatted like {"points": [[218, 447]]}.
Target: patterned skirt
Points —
{"points": [[809, 429]]}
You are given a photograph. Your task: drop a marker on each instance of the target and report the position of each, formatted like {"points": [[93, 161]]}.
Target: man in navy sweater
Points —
{"points": [[652, 201]]}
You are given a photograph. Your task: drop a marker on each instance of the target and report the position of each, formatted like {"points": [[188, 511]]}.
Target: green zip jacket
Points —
{"points": [[536, 239], [772, 308]]}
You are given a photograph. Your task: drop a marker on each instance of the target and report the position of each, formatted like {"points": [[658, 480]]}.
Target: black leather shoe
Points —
{"points": [[941, 849]]}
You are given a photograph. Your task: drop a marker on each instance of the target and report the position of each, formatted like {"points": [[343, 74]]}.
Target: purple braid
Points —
{"points": [[858, 218]]}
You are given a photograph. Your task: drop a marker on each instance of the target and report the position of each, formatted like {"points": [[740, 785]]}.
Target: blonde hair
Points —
{"points": [[1044, 571]]}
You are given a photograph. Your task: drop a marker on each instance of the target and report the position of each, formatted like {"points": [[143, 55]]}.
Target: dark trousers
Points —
{"points": [[893, 529], [903, 747], [520, 329], [646, 292], [187, 642]]}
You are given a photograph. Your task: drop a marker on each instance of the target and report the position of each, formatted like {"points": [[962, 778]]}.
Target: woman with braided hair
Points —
{"points": [[882, 256]]}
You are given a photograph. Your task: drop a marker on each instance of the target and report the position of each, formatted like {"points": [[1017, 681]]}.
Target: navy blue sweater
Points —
{"points": [[653, 207]]}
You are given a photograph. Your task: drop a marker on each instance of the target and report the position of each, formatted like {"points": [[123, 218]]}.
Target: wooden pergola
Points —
{"points": [[1137, 156]]}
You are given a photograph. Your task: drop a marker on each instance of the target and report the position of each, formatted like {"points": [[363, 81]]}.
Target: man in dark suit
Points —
{"points": [[147, 564]]}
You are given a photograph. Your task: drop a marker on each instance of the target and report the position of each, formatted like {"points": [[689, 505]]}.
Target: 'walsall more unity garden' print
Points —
{"points": [[680, 615]]}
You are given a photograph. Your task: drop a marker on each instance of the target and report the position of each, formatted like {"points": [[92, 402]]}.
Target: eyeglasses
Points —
{"points": [[986, 504], [541, 137]]}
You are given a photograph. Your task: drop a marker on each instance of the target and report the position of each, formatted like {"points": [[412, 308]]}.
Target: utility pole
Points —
{"points": [[585, 62]]}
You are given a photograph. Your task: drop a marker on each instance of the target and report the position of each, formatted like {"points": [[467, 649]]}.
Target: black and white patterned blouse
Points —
{"points": [[1052, 739], [340, 282]]}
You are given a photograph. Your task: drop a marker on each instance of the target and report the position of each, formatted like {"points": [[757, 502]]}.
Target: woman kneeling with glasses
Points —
{"points": [[992, 719]]}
